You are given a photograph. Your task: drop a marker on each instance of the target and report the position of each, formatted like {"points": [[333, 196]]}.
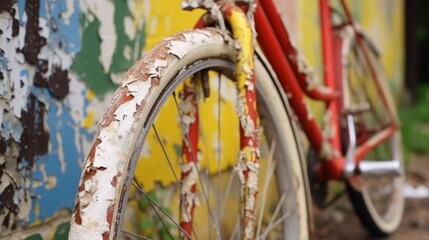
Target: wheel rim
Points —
{"points": [[381, 196], [292, 222]]}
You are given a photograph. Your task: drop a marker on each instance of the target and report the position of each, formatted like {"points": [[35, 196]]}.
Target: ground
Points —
{"points": [[339, 222]]}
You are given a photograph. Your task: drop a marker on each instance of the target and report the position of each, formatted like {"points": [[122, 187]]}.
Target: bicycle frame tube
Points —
{"points": [[189, 168], [285, 60], [359, 39], [296, 81], [248, 161], [289, 77], [329, 71], [388, 132]]}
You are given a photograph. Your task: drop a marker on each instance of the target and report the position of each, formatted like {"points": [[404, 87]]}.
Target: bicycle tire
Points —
{"points": [[381, 215], [104, 185]]}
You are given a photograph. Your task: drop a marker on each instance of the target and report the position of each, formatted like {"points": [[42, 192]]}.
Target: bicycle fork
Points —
{"points": [[247, 166]]}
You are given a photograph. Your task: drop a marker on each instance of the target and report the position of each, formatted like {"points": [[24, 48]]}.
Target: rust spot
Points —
{"points": [[110, 213], [109, 219], [114, 181], [91, 154], [88, 175], [155, 81], [161, 52], [139, 108], [77, 218], [122, 97], [106, 235], [227, 10]]}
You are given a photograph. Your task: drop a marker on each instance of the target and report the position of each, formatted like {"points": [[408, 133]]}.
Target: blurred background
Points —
{"points": [[61, 60]]}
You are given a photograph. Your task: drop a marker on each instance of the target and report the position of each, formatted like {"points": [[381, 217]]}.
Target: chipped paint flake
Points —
{"points": [[178, 48], [248, 173], [197, 36], [189, 198], [155, 69], [187, 117]]}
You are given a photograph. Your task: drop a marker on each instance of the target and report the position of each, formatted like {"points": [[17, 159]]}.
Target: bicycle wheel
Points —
{"points": [[143, 122], [377, 199]]}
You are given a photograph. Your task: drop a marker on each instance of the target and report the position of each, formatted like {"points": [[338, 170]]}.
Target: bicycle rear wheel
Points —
{"points": [[377, 199], [144, 122]]}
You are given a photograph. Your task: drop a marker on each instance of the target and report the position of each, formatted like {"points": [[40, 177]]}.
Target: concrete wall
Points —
{"points": [[60, 61]]}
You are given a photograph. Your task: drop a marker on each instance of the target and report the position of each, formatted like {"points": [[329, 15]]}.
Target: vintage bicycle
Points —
{"points": [[239, 74]]}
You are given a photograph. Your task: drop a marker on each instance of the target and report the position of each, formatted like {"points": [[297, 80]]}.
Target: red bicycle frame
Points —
{"points": [[296, 82], [296, 79]]}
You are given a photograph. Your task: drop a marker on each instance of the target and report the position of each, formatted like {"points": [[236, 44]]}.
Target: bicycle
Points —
{"points": [[360, 141]]}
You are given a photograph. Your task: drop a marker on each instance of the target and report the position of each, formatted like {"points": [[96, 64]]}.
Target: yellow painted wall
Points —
{"points": [[164, 18], [382, 20]]}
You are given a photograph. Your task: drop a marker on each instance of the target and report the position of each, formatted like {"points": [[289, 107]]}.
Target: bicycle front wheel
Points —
{"points": [[377, 198], [131, 185]]}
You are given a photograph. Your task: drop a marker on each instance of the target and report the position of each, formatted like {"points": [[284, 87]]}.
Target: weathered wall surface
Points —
{"points": [[60, 60]]}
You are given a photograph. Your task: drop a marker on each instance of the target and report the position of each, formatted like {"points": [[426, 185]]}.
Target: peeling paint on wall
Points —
{"points": [[54, 56], [112, 40]]}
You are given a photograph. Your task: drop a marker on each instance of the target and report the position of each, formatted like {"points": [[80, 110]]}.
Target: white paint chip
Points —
{"points": [[178, 48]]}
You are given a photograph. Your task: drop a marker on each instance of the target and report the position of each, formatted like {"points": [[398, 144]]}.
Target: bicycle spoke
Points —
{"points": [[168, 160], [227, 193], [269, 174], [219, 156], [133, 235], [275, 224], [271, 223], [277, 209], [155, 206], [236, 231], [165, 153]]}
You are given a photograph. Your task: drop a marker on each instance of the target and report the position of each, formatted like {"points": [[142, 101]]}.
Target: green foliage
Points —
{"points": [[154, 224], [415, 124], [144, 202]]}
